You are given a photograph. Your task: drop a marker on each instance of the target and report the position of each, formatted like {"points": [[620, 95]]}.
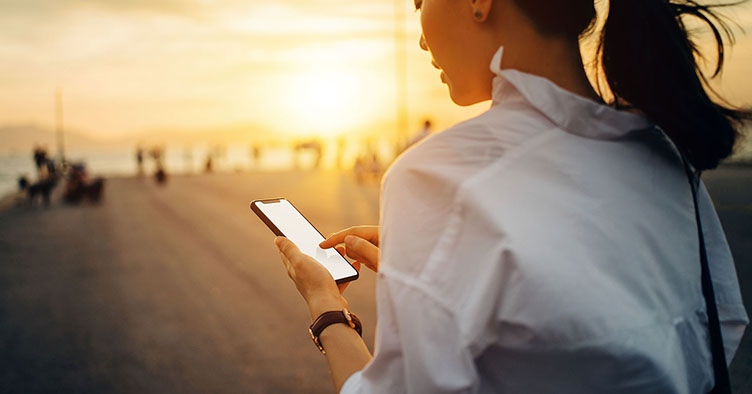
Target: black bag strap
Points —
{"points": [[722, 382]]}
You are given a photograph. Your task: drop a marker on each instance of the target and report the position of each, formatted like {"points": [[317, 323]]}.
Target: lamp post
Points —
{"points": [[59, 125]]}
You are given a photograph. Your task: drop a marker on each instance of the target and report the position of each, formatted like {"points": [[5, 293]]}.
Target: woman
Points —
{"points": [[549, 244]]}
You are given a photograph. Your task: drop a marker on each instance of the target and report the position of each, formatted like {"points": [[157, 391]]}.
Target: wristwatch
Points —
{"points": [[326, 319]]}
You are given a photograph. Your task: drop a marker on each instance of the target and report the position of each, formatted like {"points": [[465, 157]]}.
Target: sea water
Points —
{"points": [[111, 162]]}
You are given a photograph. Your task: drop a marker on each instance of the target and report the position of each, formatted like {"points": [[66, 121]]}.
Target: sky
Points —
{"points": [[304, 67]]}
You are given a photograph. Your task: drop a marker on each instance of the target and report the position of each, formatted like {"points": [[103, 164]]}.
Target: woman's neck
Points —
{"points": [[558, 60]]}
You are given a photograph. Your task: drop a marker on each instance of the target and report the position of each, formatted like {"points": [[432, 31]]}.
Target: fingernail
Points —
{"points": [[350, 240], [278, 240]]}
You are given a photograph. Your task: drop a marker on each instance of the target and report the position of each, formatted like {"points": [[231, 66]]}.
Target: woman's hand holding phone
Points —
{"points": [[361, 243], [312, 280], [346, 351]]}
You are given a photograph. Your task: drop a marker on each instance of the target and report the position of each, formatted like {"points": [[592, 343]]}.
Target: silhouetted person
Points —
{"points": [[256, 155], [78, 186], [140, 160], [160, 175], [209, 164], [420, 135], [40, 157], [340, 151]]}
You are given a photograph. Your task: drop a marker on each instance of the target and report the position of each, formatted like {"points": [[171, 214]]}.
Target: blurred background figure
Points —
{"points": [[30, 191], [256, 155], [160, 173], [40, 157], [209, 163], [46, 179], [140, 160], [368, 166], [78, 187], [341, 144], [420, 135], [315, 147]]}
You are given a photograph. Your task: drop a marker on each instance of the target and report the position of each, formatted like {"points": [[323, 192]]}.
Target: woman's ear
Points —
{"points": [[480, 9]]}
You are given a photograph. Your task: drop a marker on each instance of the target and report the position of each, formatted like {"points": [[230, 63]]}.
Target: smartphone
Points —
{"points": [[284, 219]]}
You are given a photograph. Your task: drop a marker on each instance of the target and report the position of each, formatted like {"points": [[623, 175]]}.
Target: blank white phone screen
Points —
{"points": [[296, 228]]}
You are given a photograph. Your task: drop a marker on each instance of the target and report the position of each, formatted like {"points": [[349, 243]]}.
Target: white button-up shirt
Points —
{"points": [[548, 245]]}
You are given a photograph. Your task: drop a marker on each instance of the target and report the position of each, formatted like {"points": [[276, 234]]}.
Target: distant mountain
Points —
{"points": [[23, 138], [237, 134]]}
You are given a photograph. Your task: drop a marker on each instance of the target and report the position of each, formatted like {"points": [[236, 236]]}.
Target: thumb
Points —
{"points": [[285, 246]]}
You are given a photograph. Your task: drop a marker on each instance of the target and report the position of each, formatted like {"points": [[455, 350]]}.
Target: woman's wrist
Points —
{"points": [[321, 304]]}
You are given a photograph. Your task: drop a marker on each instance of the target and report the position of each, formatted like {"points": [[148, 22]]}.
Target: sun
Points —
{"points": [[323, 103]]}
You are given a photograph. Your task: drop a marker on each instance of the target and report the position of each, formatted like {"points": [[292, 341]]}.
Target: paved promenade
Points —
{"points": [[178, 289], [174, 289]]}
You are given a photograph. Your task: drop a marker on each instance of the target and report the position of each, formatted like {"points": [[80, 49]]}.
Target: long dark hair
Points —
{"points": [[647, 60]]}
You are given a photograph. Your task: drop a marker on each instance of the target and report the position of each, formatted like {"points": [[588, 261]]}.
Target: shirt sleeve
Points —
{"points": [[731, 311], [418, 345]]}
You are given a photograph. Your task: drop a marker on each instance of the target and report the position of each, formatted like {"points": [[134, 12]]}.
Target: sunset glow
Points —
{"points": [[322, 102], [297, 67]]}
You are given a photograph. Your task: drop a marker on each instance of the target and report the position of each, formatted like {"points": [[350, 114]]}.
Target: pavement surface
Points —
{"points": [[174, 289], [178, 288]]}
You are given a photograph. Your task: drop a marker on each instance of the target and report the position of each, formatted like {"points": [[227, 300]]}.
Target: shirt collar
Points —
{"points": [[570, 112]]}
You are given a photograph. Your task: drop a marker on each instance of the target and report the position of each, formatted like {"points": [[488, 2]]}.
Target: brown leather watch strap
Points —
{"points": [[326, 319]]}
